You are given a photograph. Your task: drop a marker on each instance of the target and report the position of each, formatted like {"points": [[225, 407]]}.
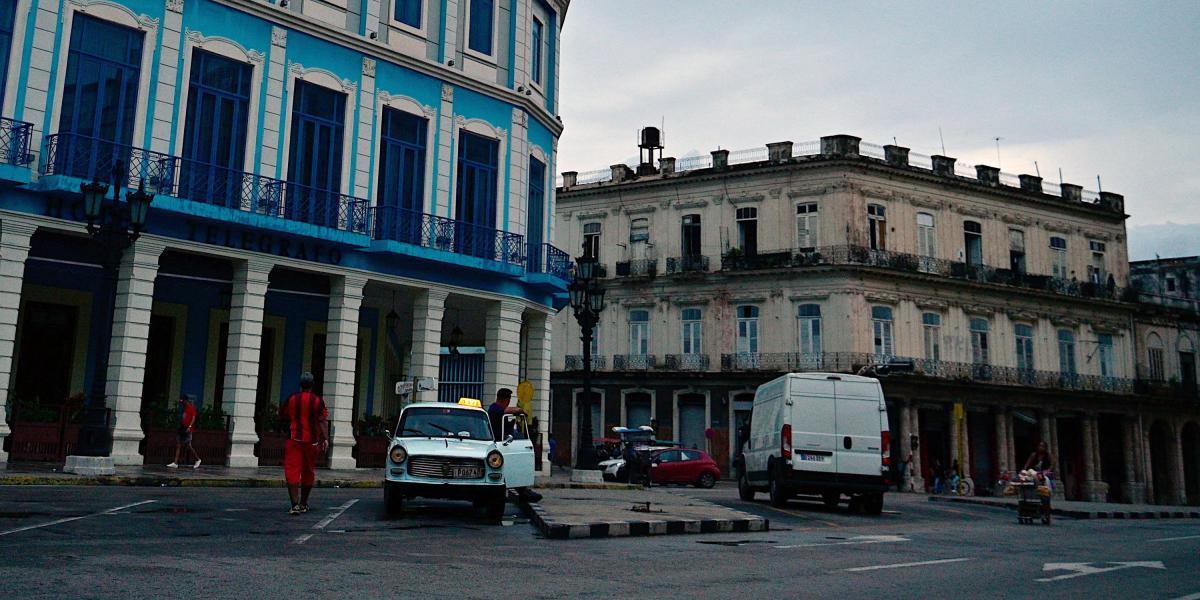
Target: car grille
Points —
{"points": [[439, 467]]}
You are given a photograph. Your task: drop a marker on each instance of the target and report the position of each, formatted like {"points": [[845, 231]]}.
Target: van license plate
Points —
{"points": [[465, 473], [804, 456]]}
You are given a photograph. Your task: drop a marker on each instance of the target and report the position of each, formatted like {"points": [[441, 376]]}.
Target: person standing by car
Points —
{"points": [[307, 417], [187, 425], [496, 412]]}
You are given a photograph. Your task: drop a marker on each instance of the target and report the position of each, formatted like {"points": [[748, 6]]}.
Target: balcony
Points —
{"points": [[14, 151], [863, 256], [633, 362], [547, 259], [448, 235], [644, 267], [574, 362], [687, 264], [686, 362]]}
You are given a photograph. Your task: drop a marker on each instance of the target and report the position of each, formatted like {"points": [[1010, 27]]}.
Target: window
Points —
{"points": [[1105, 353], [1171, 285], [476, 194], [537, 205], [1154, 351], [535, 69], [639, 230], [979, 341], [932, 325], [1016, 250], [8, 13], [693, 331], [214, 137], [315, 158], [809, 316], [806, 226], [747, 330], [1066, 352], [639, 332], [401, 175], [881, 323], [595, 340], [747, 227], [926, 235], [408, 12], [1187, 363], [1096, 270], [591, 240], [1024, 337], [1058, 257], [876, 226], [691, 235], [973, 240], [482, 23], [100, 94]]}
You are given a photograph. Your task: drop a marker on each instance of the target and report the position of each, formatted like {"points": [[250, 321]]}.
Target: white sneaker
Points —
{"points": [[173, 466], [197, 465]]}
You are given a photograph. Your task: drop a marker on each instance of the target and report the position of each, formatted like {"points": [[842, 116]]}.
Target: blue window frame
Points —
{"points": [[8, 14], [315, 154], [479, 34], [475, 204], [537, 212], [536, 42], [214, 137], [401, 176], [100, 96], [408, 12]]}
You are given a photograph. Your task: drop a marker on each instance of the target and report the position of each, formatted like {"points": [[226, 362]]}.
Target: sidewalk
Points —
{"points": [[1087, 510], [595, 513]]}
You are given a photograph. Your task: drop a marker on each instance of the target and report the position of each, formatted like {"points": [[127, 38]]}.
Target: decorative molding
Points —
{"points": [[982, 310], [199, 39], [368, 67], [591, 215], [1096, 235], [1057, 226], [520, 118], [971, 211], [882, 297], [1016, 219], [447, 93], [429, 111], [930, 303], [1022, 315], [193, 36], [747, 298], [748, 199], [638, 302], [175, 6], [692, 300], [690, 204], [148, 22], [256, 57], [641, 210], [1109, 327], [278, 36], [811, 191], [808, 296], [718, 200], [616, 210], [924, 202], [1064, 321]]}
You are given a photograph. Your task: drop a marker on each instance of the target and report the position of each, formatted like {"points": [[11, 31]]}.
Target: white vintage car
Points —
{"points": [[445, 450]]}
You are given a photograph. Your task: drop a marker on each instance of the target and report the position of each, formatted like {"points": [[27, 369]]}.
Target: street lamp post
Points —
{"points": [[587, 301], [114, 226]]}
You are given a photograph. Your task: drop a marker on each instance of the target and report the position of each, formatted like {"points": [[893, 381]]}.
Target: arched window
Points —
{"points": [[809, 316], [747, 330], [881, 323], [979, 341], [693, 331], [1155, 356], [639, 332], [931, 323]]}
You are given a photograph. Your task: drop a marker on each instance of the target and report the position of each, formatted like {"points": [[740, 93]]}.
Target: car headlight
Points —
{"points": [[495, 460], [398, 454]]}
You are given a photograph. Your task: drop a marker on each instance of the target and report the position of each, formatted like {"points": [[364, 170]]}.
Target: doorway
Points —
{"points": [[46, 357], [692, 421]]}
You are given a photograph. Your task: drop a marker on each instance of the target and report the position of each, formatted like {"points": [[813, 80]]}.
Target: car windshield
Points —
{"points": [[444, 422]]}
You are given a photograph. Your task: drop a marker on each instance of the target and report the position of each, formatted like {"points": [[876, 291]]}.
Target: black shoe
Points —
{"points": [[295, 510], [304, 508], [529, 496]]}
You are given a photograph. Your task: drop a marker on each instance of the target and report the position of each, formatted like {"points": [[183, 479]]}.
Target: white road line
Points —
{"points": [[1195, 596], [323, 523], [69, 519], [854, 541], [910, 564], [1175, 539], [303, 538]]}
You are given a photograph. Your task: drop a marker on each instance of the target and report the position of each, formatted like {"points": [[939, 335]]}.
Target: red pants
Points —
{"points": [[300, 463]]}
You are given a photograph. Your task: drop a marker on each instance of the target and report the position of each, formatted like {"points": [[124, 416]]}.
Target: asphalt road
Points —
{"points": [[98, 542]]}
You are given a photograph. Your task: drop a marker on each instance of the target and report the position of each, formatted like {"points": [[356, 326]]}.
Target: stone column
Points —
{"points": [[127, 355], [915, 428], [1147, 463], [1002, 450], [164, 109], [501, 363], [1017, 461], [441, 202], [14, 249], [518, 177], [1178, 480], [538, 327], [1094, 488], [451, 32], [341, 354], [1135, 490], [365, 143], [250, 282], [273, 103], [425, 360]]}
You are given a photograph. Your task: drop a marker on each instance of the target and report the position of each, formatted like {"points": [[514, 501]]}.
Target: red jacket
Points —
{"points": [[188, 419], [306, 415]]}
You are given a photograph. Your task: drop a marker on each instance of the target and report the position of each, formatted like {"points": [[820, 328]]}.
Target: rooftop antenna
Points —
{"points": [[942, 139], [894, 141], [1035, 168], [1099, 188], [1060, 179], [997, 138]]}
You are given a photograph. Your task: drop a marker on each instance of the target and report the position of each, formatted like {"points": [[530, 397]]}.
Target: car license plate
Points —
{"points": [[465, 473], [804, 456]]}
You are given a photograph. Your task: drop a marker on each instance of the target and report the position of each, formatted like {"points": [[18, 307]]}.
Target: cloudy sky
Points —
{"points": [[1097, 88]]}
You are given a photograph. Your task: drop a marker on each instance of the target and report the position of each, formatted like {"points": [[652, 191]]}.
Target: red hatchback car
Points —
{"points": [[678, 465]]}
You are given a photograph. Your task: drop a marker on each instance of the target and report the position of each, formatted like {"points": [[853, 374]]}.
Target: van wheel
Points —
{"points": [[393, 501], [831, 499], [706, 481], [745, 492], [872, 504], [775, 490]]}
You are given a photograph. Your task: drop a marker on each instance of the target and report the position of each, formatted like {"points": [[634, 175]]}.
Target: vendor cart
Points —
{"points": [[1033, 502]]}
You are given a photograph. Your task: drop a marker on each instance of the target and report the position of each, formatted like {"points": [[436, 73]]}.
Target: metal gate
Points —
{"points": [[461, 376]]}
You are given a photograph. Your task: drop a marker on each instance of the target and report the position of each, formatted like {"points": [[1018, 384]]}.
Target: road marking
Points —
{"points": [[333, 514], [1195, 596], [910, 564], [801, 515], [1081, 569], [854, 541], [69, 519], [1175, 539]]}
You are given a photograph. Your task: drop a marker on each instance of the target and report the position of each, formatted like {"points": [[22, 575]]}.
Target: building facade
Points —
{"points": [[357, 189], [1010, 295]]}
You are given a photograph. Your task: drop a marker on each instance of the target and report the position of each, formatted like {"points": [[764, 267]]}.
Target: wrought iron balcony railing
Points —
{"points": [[634, 362], [574, 362], [545, 258], [686, 362], [440, 233], [642, 267], [687, 264], [90, 158], [14, 142]]}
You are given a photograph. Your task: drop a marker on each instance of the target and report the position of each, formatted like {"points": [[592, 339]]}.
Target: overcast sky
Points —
{"points": [[1093, 88]]}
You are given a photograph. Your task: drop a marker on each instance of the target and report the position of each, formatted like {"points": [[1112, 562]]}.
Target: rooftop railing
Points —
{"points": [[14, 142]]}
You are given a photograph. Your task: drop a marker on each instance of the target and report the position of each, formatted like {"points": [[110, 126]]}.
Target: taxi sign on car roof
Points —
{"points": [[472, 402]]}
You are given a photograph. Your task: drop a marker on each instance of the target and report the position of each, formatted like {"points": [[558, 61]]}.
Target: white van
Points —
{"points": [[819, 434]]}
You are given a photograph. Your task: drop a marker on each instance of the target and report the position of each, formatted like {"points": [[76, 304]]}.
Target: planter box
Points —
{"points": [[36, 442], [370, 452]]}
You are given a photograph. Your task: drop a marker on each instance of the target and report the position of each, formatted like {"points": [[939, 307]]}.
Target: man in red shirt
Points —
{"points": [[307, 416], [187, 425]]}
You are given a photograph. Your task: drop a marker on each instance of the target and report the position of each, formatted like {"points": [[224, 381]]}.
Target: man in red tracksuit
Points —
{"points": [[307, 416]]}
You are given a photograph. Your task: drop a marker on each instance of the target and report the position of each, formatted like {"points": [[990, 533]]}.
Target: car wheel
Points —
{"points": [[745, 492], [706, 481], [775, 491], [831, 499], [393, 500], [872, 504], [495, 509]]}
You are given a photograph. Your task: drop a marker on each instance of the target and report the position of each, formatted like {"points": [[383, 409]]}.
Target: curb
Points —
{"points": [[1084, 514], [586, 486], [144, 481], [555, 530]]}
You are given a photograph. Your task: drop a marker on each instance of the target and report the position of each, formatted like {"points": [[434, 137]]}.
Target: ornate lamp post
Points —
{"points": [[113, 225], [587, 301]]}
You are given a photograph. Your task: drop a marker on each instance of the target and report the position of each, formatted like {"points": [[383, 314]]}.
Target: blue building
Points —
{"points": [[357, 188]]}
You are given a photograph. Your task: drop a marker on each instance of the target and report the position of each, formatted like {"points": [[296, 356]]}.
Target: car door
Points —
{"points": [[518, 454], [692, 465], [665, 467]]}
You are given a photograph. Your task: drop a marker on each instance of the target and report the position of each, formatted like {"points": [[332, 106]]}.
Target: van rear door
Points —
{"points": [[858, 428], [812, 419]]}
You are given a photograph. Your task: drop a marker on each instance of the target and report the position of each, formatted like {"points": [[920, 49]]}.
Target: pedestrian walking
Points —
{"points": [[183, 436], [307, 418]]}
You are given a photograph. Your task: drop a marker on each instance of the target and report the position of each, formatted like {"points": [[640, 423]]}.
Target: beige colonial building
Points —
{"points": [[1009, 293]]}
